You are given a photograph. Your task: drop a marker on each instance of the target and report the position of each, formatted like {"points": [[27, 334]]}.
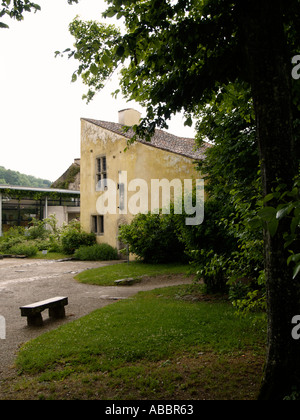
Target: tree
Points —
{"points": [[266, 54], [15, 9], [174, 55], [234, 192], [10, 177], [228, 122]]}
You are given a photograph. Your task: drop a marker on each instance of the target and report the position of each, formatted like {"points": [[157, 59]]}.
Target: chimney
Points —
{"points": [[129, 117]]}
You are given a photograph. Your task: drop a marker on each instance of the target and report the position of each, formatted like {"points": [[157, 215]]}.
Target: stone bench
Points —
{"points": [[33, 312], [129, 281]]}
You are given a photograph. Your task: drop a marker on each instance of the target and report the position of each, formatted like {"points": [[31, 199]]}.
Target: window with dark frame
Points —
{"points": [[98, 225], [101, 173]]}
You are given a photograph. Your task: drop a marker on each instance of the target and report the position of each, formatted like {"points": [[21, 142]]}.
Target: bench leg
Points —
{"points": [[57, 313], [35, 320]]}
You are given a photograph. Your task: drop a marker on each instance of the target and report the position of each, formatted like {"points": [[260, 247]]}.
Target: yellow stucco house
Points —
{"points": [[117, 184]]}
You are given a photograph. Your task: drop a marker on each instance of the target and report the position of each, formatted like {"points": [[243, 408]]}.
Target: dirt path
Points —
{"points": [[26, 281]]}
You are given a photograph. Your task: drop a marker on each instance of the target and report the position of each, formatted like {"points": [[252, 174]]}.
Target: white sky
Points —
{"points": [[40, 109]]}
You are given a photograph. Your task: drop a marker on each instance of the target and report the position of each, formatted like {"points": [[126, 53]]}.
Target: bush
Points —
{"points": [[211, 235], [38, 229], [211, 267], [209, 246], [152, 237], [102, 252], [24, 249], [45, 235], [15, 236], [73, 238]]}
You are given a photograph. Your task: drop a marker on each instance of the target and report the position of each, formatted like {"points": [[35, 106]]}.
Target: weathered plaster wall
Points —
{"points": [[64, 214], [140, 161]]}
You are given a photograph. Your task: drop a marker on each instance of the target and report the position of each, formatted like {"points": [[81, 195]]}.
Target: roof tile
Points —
{"points": [[161, 140]]}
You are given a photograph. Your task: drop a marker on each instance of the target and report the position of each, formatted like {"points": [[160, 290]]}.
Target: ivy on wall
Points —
{"points": [[35, 195]]}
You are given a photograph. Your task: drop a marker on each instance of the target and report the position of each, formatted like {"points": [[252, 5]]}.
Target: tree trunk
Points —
{"points": [[269, 74]]}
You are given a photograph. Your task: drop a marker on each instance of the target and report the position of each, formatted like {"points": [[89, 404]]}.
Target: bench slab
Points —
{"points": [[33, 311]]}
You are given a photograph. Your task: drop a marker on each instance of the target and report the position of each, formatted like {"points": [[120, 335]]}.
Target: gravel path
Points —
{"points": [[26, 281]]}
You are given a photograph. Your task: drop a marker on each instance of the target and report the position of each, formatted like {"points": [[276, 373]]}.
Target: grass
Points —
{"points": [[160, 345], [105, 276], [50, 256]]}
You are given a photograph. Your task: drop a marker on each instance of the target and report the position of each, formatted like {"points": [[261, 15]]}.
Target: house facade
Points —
{"points": [[117, 181]]}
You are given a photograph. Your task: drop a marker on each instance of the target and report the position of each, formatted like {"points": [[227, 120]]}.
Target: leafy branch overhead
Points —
{"points": [[159, 38], [96, 48], [15, 9]]}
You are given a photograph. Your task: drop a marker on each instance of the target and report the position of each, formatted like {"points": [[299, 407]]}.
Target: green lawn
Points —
{"points": [[105, 276], [50, 256], [161, 344]]}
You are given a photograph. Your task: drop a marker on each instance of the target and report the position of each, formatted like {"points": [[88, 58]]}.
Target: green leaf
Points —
{"points": [[273, 226], [74, 77], [294, 258], [120, 51], [106, 60], [111, 12], [267, 213], [94, 69], [188, 122], [294, 224], [296, 271], [255, 223], [268, 198], [282, 213]]}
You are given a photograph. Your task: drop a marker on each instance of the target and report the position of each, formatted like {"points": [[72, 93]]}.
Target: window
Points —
{"points": [[101, 173], [98, 225], [122, 196]]}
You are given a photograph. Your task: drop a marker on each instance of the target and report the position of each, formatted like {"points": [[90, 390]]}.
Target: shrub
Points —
{"points": [[74, 240], [15, 236], [97, 252], [211, 235], [42, 244], [37, 230], [24, 249], [248, 294], [54, 245], [209, 246], [153, 239], [211, 267]]}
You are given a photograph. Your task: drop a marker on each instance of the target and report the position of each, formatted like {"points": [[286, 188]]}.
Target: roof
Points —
{"points": [[161, 140], [70, 180], [38, 190]]}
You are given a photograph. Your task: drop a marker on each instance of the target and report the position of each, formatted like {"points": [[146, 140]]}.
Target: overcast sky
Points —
{"points": [[40, 109]]}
